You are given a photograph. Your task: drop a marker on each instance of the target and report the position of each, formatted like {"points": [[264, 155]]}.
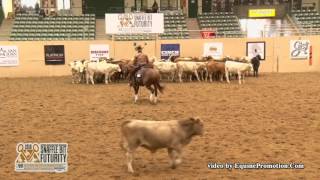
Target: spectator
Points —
{"points": [[36, 8], [155, 7], [219, 6], [42, 14], [313, 6]]}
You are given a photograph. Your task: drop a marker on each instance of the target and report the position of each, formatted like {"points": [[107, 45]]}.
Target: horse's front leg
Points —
{"points": [[136, 90]]}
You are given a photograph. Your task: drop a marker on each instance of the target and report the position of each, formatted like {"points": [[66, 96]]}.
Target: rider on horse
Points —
{"points": [[140, 61]]}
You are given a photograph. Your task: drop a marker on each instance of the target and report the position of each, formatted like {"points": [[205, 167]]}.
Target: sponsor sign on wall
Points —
{"points": [[169, 49], [213, 49], [54, 54], [299, 49], [262, 13], [9, 56], [98, 51], [134, 23], [256, 48]]}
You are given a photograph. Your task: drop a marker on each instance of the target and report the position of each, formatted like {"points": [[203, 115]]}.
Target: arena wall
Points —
{"points": [[31, 54]]}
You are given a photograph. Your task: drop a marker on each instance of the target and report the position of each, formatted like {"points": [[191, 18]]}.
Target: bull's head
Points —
{"points": [[193, 125], [197, 125]]}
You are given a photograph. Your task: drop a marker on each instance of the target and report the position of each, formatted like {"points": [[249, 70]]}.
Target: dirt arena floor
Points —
{"points": [[272, 119]]}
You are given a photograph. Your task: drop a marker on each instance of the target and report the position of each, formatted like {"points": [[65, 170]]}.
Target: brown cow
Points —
{"points": [[154, 135], [217, 68]]}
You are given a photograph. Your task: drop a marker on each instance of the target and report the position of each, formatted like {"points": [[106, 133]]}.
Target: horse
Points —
{"points": [[148, 77]]}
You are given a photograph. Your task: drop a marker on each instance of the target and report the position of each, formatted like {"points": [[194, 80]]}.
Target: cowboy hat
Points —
{"points": [[139, 47]]}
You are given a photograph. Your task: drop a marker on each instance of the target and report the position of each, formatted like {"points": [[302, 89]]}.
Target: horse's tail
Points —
{"points": [[161, 88]]}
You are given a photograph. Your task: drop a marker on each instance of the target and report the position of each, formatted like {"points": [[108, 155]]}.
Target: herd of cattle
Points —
{"points": [[107, 70]]}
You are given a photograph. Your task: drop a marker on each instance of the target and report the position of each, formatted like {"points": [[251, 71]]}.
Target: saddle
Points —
{"points": [[140, 73]]}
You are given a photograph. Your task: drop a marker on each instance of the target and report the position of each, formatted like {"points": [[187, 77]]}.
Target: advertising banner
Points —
{"points": [[134, 23], [98, 51], [54, 54], [169, 49], [214, 49], [299, 49], [9, 56]]}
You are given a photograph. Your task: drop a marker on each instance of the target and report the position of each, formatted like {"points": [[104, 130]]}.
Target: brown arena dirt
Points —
{"points": [[272, 119]]}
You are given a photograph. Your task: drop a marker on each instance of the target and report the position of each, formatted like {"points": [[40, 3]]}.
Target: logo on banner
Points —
{"points": [[98, 51], [54, 54], [127, 23], [126, 20], [214, 50], [9, 56], [168, 50], [41, 157], [299, 49]]}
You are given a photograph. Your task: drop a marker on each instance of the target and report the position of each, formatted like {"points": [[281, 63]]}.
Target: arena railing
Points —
{"points": [[283, 30], [179, 34], [276, 31]]}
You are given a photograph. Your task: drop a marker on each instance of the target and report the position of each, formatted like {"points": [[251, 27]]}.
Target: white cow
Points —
{"points": [[102, 68], [237, 67], [166, 68], [190, 67], [77, 70]]}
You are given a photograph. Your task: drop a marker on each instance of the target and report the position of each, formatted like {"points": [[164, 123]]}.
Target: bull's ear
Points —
{"points": [[195, 119]]}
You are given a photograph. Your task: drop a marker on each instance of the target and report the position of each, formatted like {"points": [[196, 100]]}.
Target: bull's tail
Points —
{"points": [[161, 88]]}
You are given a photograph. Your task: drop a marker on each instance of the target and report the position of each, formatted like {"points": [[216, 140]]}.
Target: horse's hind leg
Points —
{"points": [[155, 93], [151, 92]]}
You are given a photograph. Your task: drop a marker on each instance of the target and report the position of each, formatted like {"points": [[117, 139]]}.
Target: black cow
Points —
{"points": [[256, 63]]}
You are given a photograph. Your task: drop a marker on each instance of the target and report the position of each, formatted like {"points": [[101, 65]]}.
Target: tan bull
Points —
{"points": [[154, 135]]}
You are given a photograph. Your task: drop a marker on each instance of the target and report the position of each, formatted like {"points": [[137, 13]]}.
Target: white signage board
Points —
{"points": [[213, 49], [9, 56], [98, 51], [299, 49], [130, 23]]}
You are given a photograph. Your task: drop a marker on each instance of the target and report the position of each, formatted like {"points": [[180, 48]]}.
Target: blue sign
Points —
{"points": [[169, 49]]}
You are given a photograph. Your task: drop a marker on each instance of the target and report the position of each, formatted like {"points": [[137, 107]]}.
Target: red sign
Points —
{"points": [[208, 34]]}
